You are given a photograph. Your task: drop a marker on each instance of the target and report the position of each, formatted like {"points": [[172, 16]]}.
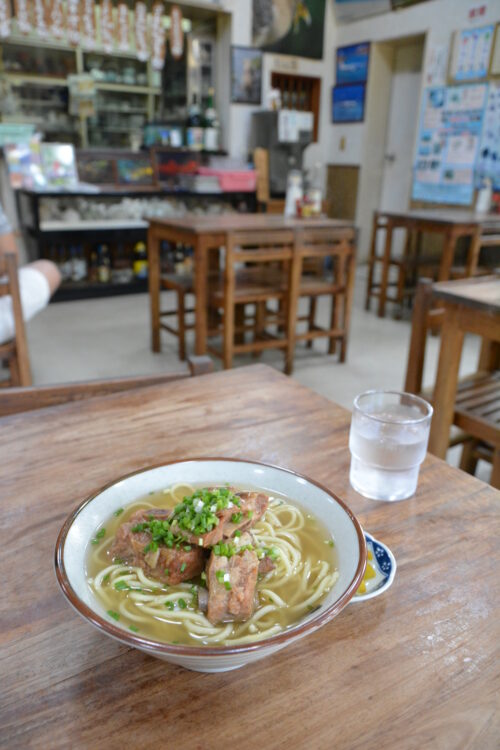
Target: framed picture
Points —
{"points": [[289, 27], [352, 63], [348, 103], [471, 51], [495, 54], [246, 75]]}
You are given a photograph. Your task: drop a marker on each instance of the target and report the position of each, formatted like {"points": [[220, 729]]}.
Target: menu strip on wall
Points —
{"points": [[123, 30], [56, 19], [22, 9], [4, 18], [73, 21], [141, 31], [157, 36], [107, 26]]}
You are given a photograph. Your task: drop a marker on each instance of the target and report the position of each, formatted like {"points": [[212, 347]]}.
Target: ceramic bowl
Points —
{"points": [[74, 540]]}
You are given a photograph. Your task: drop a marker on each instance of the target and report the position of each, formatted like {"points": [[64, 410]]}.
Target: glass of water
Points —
{"points": [[388, 441]]}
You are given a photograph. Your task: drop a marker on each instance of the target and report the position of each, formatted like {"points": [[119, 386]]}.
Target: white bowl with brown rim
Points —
{"points": [[73, 542]]}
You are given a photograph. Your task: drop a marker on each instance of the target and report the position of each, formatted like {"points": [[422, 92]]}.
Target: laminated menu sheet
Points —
{"points": [[448, 143], [488, 163]]}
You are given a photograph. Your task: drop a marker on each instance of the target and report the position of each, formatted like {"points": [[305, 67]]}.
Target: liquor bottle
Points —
{"points": [[92, 275], [78, 264], [140, 261], [194, 127], [103, 264], [121, 272], [211, 134]]}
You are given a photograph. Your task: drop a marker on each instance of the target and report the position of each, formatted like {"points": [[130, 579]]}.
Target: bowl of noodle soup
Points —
{"points": [[315, 541]]}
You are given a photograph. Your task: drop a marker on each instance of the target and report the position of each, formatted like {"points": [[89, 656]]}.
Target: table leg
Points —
{"points": [[154, 287], [385, 270], [292, 303], [450, 241], [200, 290], [371, 262], [446, 383], [473, 254]]}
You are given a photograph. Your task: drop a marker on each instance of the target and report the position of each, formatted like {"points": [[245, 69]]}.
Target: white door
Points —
{"points": [[402, 127]]}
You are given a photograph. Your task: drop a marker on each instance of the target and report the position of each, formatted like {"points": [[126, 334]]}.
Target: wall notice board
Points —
{"points": [[451, 125]]}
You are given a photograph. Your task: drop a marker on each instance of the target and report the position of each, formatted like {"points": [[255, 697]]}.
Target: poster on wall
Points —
{"points": [[348, 103], [448, 144], [349, 10], [352, 63], [289, 27], [471, 54], [246, 75], [488, 163]]}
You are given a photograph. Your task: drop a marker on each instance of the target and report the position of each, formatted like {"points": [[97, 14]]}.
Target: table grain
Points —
{"points": [[414, 668]]}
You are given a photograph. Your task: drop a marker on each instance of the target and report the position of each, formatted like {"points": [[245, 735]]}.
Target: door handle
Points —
{"points": [[390, 158]]}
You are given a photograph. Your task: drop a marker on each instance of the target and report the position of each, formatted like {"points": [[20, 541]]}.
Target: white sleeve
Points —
{"points": [[35, 294]]}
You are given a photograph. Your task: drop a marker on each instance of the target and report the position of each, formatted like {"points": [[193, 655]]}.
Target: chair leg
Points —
{"points": [[311, 319], [228, 336], [371, 262], [349, 293], [260, 316], [239, 319], [468, 461], [181, 325], [495, 472], [402, 273]]}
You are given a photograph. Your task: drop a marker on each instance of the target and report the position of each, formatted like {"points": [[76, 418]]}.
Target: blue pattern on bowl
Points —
{"points": [[385, 563]]}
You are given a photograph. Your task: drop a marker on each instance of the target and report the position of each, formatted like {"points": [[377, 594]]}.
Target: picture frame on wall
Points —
{"points": [[352, 63], [246, 75], [470, 54], [495, 53], [348, 103]]}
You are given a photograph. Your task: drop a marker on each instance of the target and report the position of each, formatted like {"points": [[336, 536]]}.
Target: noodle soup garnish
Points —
{"points": [[291, 546]]}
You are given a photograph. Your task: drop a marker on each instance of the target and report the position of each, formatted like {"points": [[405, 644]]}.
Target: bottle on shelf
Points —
{"points": [[103, 264], [121, 271], [92, 273], [211, 133], [78, 264], [194, 126], [314, 194], [140, 261]]}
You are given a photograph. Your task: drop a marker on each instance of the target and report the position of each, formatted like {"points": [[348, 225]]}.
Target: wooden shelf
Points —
{"points": [[21, 78], [125, 88]]}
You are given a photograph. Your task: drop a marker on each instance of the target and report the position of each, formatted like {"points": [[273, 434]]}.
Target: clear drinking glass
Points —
{"points": [[388, 441]]}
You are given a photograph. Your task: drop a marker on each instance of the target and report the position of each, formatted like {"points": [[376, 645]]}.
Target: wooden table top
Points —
{"points": [[244, 223], [446, 216], [480, 292], [415, 667]]}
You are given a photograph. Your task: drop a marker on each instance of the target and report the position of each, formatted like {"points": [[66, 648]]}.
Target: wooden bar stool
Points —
{"points": [[15, 352], [477, 401], [181, 285], [257, 270], [326, 267]]}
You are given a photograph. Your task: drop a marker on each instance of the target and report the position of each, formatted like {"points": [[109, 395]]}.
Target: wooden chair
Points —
{"points": [[408, 266], [15, 352], [16, 400], [477, 404], [181, 285], [264, 201], [314, 249], [258, 270]]}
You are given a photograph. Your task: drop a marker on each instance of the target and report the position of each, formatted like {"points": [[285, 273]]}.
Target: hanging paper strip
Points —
{"points": [[158, 36], [73, 21], [56, 18], [88, 23], [40, 10], [4, 18], [23, 16], [123, 27], [141, 31], [176, 33], [107, 26]]}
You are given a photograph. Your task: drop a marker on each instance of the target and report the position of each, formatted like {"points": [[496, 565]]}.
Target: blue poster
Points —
{"points": [[352, 63], [448, 144], [348, 103]]}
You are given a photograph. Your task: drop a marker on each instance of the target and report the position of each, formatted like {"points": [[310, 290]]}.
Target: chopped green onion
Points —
{"points": [[227, 585], [203, 576], [100, 533], [167, 572], [183, 567], [187, 548], [250, 514], [133, 628], [114, 615], [169, 605], [236, 517], [182, 604], [118, 512], [106, 578], [331, 543], [122, 586], [220, 576], [237, 533]]}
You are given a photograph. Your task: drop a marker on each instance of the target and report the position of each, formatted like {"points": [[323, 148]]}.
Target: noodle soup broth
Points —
{"points": [[306, 569]]}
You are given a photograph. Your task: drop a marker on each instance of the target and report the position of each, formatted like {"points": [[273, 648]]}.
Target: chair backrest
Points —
{"points": [[317, 245], [424, 317], [272, 246], [17, 400], [14, 352]]}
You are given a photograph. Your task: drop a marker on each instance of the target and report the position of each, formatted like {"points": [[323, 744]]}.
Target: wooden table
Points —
{"points": [[205, 233], [452, 224], [470, 306], [415, 668]]}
